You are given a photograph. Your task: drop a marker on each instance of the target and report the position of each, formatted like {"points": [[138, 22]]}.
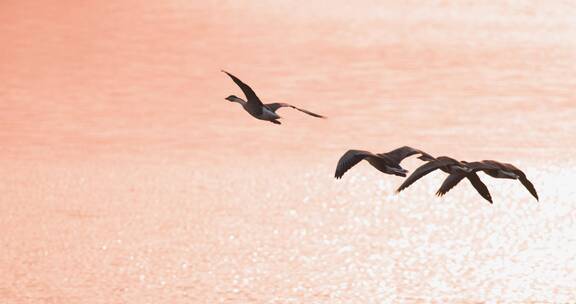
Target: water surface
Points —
{"points": [[127, 178]]}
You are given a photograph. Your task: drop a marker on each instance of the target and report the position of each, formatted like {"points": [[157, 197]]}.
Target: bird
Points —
{"points": [[504, 170], [455, 177], [256, 108], [388, 163], [457, 171]]}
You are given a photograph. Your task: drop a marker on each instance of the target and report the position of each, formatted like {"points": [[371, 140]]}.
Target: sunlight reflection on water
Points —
{"points": [[126, 177]]}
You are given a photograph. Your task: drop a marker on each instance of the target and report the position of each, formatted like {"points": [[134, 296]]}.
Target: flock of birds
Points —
{"points": [[389, 162]]}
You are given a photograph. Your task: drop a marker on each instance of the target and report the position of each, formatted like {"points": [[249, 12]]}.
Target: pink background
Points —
{"points": [[127, 178]]}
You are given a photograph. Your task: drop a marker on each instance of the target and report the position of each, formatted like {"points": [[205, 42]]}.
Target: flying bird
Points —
{"points": [[504, 170], [456, 176], [456, 170], [388, 163], [256, 108]]}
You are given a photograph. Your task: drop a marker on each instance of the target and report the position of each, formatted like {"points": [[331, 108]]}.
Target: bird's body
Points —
{"points": [[384, 165], [263, 113], [256, 108], [267, 114], [502, 170], [388, 163]]}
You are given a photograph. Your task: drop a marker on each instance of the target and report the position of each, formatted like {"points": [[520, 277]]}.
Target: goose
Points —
{"points": [[504, 170], [456, 176], [256, 108], [388, 163], [456, 170]]}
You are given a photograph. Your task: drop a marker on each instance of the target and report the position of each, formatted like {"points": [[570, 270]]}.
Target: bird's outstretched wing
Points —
{"points": [[401, 153], [528, 185], [423, 170], [450, 182], [275, 106], [253, 102], [453, 179], [479, 186], [349, 160]]}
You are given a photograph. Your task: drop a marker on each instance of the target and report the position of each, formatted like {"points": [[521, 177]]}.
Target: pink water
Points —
{"points": [[127, 178]]}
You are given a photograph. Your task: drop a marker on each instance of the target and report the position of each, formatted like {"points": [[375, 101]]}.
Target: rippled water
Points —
{"points": [[127, 178]]}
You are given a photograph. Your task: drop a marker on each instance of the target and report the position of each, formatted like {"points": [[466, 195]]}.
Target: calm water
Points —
{"points": [[127, 178]]}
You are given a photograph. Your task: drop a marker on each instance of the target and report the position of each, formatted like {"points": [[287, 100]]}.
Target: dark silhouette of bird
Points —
{"points": [[456, 176], [503, 170], [388, 163], [256, 108], [456, 170]]}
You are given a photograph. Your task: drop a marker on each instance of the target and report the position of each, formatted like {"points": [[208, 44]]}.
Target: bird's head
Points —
{"points": [[231, 98]]}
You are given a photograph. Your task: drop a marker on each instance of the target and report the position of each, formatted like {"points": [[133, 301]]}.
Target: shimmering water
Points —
{"points": [[127, 178]]}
